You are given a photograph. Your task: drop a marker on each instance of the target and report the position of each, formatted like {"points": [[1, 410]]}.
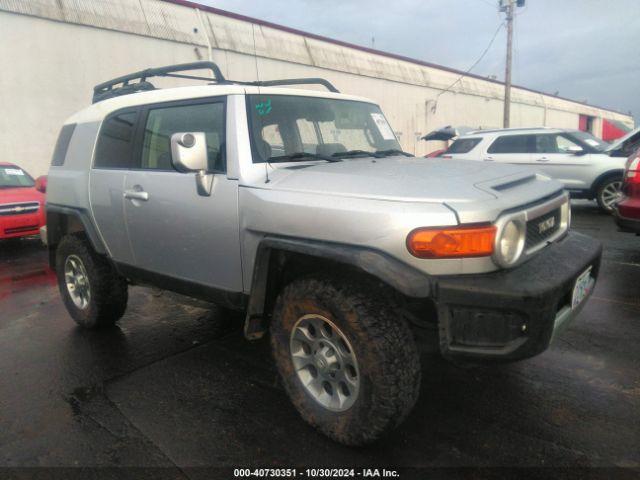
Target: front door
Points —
{"points": [[563, 159], [174, 231]]}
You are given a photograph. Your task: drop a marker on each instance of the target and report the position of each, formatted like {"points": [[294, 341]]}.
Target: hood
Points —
{"points": [[407, 179], [19, 195], [631, 137]]}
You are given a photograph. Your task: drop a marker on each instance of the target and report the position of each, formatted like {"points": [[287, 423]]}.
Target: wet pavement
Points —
{"points": [[169, 388]]}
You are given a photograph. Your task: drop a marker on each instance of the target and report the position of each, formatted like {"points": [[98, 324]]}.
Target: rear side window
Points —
{"points": [[513, 144], [62, 145], [463, 145], [164, 122], [115, 142]]}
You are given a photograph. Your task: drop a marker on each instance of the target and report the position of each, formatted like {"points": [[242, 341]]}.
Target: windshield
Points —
{"points": [[14, 177], [297, 128], [593, 142]]}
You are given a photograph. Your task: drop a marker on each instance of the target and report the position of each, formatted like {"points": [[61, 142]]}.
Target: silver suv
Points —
{"points": [[298, 207], [588, 167]]}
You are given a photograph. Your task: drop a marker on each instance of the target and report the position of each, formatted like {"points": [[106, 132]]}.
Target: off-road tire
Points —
{"points": [[109, 290], [602, 190], [387, 355]]}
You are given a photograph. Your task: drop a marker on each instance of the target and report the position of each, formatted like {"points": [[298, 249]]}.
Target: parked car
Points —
{"points": [[588, 167], [627, 211], [298, 207], [22, 202]]}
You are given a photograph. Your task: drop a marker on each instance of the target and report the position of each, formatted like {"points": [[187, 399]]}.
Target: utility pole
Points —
{"points": [[507, 71], [508, 6]]}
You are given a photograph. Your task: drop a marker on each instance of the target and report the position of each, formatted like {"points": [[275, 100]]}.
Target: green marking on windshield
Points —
{"points": [[264, 107]]}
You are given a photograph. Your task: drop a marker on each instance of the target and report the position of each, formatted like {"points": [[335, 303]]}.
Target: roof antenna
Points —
{"points": [[255, 57]]}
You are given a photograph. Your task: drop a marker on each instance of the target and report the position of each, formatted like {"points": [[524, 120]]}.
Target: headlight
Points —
{"points": [[510, 243]]}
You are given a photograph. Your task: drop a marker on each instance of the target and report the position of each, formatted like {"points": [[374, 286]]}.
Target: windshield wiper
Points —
{"points": [[393, 151], [356, 153], [301, 156]]}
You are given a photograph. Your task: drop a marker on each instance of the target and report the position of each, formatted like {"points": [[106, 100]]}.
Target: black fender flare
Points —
{"points": [[610, 173], [57, 226], [398, 275]]}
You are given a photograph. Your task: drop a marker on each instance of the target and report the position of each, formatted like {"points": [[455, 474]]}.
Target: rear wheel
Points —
{"points": [[608, 193], [349, 366], [93, 292]]}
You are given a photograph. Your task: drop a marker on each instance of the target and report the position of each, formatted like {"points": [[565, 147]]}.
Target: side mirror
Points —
{"points": [[189, 151], [41, 184], [189, 154], [576, 150]]}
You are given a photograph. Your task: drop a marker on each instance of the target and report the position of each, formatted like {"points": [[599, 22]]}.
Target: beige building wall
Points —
{"points": [[55, 51]]}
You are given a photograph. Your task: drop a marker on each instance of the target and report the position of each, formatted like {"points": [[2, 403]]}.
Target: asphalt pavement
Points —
{"points": [[170, 392]]}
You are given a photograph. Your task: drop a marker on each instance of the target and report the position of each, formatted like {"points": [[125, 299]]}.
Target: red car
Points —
{"points": [[627, 212], [22, 199]]}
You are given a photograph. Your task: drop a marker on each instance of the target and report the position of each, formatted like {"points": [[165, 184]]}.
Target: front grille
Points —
{"points": [[28, 228], [19, 208], [541, 228]]}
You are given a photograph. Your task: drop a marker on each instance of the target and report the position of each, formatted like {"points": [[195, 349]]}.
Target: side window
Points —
{"points": [[115, 141], [511, 144], [463, 145], [555, 144], [546, 144], [564, 145], [62, 145], [163, 122]]}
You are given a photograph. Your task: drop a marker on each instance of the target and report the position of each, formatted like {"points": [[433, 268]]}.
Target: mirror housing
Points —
{"points": [[189, 151], [576, 150], [189, 154], [41, 184]]}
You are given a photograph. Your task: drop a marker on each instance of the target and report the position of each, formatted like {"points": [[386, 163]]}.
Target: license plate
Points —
{"points": [[581, 288]]}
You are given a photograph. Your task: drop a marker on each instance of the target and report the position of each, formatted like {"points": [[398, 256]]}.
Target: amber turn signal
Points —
{"points": [[452, 242]]}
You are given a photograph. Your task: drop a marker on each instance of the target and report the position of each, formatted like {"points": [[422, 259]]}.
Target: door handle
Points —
{"points": [[136, 195], [542, 159]]}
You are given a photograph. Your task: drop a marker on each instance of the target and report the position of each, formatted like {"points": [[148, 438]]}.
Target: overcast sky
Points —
{"points": [[583, 49]]}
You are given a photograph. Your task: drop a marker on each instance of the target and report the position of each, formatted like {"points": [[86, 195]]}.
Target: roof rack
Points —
{"points": [[293, 81], [111, 89]]}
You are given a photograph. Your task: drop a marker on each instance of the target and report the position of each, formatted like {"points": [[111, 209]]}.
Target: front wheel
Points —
{"points": [[349, 365], [93, 292], [608, 193]]}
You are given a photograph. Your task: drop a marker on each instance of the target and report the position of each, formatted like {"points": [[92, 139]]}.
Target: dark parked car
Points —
{"points": [[627, 212]]}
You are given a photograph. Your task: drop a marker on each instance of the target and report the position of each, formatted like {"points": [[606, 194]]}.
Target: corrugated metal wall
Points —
{"points": [[58, 49]]}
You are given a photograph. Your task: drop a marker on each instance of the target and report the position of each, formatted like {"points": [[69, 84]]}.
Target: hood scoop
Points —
{"points": [[514, 183]]}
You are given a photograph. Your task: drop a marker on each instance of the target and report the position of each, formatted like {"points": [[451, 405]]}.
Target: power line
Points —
{"points": [[471, 67]]}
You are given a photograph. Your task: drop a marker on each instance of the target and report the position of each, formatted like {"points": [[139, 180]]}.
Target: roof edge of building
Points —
{"points": [[295, 31]]}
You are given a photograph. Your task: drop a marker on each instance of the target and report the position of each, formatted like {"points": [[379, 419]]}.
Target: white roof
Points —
{"points": [[517, 131], [97, 111]]}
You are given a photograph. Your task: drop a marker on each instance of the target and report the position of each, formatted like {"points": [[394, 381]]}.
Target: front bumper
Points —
{"points": [[22, 225], [515, 314], [627, 224]]}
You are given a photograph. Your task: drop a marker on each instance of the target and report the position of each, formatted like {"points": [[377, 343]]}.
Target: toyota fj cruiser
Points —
{"points": [[299, 207]]}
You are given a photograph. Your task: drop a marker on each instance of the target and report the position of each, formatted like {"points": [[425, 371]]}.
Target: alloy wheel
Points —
{"points": [[611, 194], [325, 362], [77, 281]]}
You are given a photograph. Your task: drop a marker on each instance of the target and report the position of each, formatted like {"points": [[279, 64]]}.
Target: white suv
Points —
{"points": [[588, 167]]}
